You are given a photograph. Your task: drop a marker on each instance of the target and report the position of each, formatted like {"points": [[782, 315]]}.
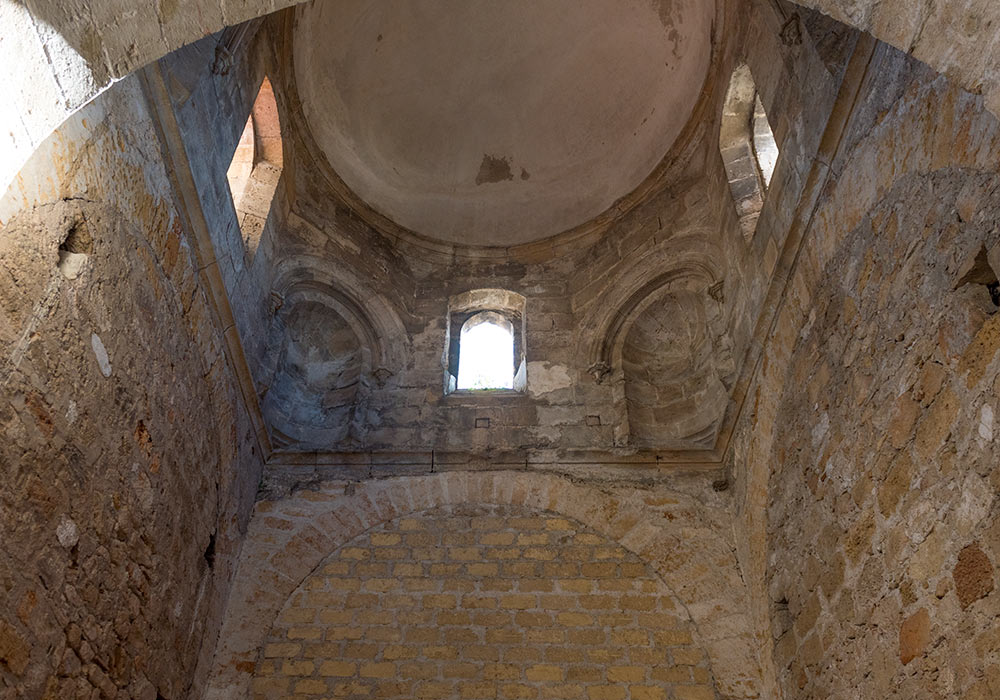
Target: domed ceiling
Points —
{"points": [[486, 122]]}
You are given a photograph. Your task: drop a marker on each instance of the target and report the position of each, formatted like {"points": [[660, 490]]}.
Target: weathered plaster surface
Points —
{"points": [[499, 124]]}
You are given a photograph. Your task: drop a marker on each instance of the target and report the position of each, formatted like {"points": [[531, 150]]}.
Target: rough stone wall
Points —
{"points": [[481, 601], [883, 525], [128, 465], [883, 522], [855, 491]]}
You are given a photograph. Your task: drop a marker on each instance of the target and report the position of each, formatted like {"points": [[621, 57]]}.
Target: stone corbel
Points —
{"points": [[599, 371], [791, 32], [381, 376], [277, 301], [229, 44], [718, 292], [223, 62]]}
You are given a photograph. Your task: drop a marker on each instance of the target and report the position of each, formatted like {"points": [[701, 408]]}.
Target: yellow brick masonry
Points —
{"points": [[482, 601]]}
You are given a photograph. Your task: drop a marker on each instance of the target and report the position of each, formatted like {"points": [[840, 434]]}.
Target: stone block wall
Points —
{"points": [[889, 458], [129, 465], [481, 601], [869, 445]]}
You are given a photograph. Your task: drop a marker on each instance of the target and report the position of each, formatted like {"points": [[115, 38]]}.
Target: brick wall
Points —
{"points": [[677, 526], [481, 601]]}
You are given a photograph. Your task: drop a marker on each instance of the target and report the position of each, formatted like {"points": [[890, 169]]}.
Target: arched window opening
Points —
{"points": [[484, 342], [764, 147], [749, 150], [486, 353], [242, 165], [256, 167]]}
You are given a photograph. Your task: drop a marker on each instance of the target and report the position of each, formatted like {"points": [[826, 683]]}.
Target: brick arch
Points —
{"points": [[437, 591], [672, 533]]}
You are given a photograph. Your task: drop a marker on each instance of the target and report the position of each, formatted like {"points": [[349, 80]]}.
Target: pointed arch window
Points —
{"points": [[256, 167], [486, 352], [749, 150], [484, 342]]}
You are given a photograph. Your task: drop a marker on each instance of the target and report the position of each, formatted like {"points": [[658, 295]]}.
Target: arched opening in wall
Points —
{"points": [[638, 612], [256, 167], [484, 342], [486, 353], [674, 394], [317, 363], [749, 149], [765, 150]]}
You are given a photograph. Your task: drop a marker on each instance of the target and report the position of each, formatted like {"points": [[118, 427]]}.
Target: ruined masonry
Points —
{"points": [[585, 349]]}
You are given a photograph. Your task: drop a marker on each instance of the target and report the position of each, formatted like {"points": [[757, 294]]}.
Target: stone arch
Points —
{"points": [[437, 590], [316, 376], [317, 362], [674, 395], [685, 269], [609, 319], [374, 317], [289, 538]]}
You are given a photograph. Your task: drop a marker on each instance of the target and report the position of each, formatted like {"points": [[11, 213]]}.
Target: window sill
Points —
{"points": [[484, 394]]}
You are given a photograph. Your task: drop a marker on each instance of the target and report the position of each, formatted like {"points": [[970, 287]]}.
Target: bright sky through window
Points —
{"points": [[764, 144], [486, 356]]}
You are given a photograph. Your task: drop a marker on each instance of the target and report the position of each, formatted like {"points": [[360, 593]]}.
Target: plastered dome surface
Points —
{"points": [[498, 123]]}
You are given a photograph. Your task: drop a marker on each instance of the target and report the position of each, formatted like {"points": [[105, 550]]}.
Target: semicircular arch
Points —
{"points": [[290, 538]]}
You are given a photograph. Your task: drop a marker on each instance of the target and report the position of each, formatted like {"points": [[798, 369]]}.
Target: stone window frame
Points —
{"points": [[256, 167], [745, 124], [763, 144], [510, 306]]}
